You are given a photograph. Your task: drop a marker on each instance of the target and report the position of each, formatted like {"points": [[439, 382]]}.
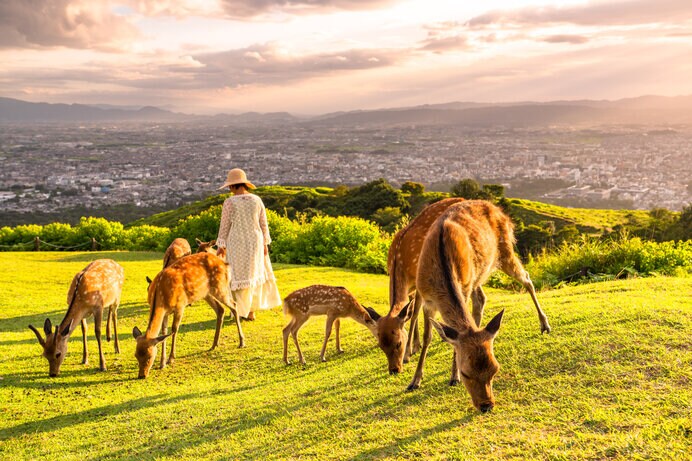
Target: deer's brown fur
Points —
{"points": [[176, 250], [461, 250], [92, 290], [402, 265], [334, 302], [188, 280]]}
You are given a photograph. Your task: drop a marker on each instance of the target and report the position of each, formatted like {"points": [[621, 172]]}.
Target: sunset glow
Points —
{"points": [[312, 56]]}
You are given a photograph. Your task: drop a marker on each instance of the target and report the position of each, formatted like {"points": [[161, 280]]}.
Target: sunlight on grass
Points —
{"points": [[612, 381]]}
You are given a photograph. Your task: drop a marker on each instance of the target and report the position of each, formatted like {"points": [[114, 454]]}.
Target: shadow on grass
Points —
{"points": [[117, 256], [63, 421], [22, 322]]}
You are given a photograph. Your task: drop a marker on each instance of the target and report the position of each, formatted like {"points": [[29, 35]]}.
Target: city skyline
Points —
{"points": [[317, 56]]}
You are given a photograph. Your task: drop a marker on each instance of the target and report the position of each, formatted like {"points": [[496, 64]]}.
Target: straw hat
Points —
{"points": [[237, 176]]}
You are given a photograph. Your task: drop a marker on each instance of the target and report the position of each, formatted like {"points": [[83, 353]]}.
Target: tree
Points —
{"points": [[466, 188], [365, 200], [413, 188], [494, 191]]}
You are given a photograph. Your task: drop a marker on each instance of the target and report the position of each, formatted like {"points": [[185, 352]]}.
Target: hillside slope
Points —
{"points": [[611, 381]]}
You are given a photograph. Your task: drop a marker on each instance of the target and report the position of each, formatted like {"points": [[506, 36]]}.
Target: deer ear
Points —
{"points": [[406, 312], [373, 315], [66, 330], [199, 242], [161, 338], [136, 333], [494, 325], [148, 280], [38, 335], [212, 243], [367, 318], [47, 327], [447, 334]]}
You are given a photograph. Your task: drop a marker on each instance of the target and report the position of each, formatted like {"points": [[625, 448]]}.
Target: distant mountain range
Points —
{"points": [[645, 110]]}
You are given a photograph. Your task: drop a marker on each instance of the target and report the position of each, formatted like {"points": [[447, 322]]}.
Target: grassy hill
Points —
{"points": [[531, 212], [613, 380]]}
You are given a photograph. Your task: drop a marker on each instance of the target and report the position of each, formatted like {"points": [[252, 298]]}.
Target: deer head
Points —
{"points": [[391, 336], [54, 345], [145, 352], [475, 360]]}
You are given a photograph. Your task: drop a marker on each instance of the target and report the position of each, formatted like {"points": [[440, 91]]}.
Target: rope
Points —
{"points": [[43, 242]]}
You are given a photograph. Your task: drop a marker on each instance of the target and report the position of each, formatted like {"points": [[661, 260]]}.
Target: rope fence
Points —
{"points": [[37, 242]]}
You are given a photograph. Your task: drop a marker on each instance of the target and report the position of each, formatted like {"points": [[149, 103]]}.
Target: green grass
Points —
{"points": [[587, 220], [613, 380]]}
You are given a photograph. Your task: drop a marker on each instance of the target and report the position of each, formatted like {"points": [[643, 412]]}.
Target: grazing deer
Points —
{"points": [[334, 302], [176, 250], [188, 280], [92, 290], [402, 265], [461, 250]]}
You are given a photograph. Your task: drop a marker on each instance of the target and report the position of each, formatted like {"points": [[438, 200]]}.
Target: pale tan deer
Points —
{"points": [[92, 290], [188, 280], [460, 252], [334, 302], [176, 250], [402, 265]]}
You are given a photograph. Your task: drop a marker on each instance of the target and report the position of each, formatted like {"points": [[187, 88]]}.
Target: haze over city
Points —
{"points": [[317, 56]]}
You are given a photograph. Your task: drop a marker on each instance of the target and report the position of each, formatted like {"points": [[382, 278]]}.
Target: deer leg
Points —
{"points": [[294, 333], [327, 333], [177, 318], [220, 312], [114, 310], [427, 336], [85, 352], [512, 267], [337, 327], [456, 376], [286, 332], [164, 331], [478, 297], [108, 325], [413, 342], [97, 329], [228, 301]]}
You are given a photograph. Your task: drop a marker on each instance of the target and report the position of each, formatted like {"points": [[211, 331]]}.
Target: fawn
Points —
{"points": [[176, 250], [334, 302]]}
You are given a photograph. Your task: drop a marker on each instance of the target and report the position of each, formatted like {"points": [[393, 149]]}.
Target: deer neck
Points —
{"points": [[155, 322]]}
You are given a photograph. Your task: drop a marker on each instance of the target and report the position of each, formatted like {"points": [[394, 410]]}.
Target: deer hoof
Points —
{"points": [[453, 382], [412, 387], [103, 368], [323, 359]]}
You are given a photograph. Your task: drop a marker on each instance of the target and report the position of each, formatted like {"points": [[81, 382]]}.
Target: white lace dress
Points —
{"points": [[244, 232]]}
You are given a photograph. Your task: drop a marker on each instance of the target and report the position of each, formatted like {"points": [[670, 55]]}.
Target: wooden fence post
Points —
{"points": [[37, 243], [94, 245]]}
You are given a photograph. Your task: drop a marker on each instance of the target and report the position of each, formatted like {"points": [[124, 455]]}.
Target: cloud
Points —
{"points": [[240, 9], [565, 38], [66, 23], [629, 12], [269, 64], [442, 44]]}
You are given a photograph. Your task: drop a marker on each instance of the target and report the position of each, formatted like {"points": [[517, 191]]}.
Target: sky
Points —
{"points": [[318, 56]]}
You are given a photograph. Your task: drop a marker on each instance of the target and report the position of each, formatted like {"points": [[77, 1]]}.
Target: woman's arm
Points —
{"points": [[264, 226], [225, 225]]}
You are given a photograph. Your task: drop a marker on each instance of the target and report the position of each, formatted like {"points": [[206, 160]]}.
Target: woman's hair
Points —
{"points": [[238, 186]]}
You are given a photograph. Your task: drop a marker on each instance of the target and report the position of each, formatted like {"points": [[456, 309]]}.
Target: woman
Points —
{"points": [[245, 235]]}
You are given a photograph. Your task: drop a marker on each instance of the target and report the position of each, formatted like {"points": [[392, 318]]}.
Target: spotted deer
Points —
{"points": [[460, 252], [334, 302], [188, 280], [176, 250], [402, 265], [92, 290]]}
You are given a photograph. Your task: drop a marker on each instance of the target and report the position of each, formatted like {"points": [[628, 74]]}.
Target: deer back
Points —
{"points": [[179, 248], [97, 286]]}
